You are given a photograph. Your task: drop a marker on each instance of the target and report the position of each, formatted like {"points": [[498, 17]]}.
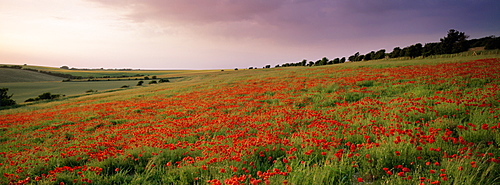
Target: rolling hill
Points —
{"points": [[430, 121], [17, 75]]}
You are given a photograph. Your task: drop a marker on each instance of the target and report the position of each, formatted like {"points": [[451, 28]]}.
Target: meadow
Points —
{"points": [[25, 84], [118, 73], [24, 90], [425, 121]]}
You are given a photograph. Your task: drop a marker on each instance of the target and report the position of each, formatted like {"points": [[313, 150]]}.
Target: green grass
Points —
{"points": [[118, 73], [321, 125], [23, 91], [16, 75]]}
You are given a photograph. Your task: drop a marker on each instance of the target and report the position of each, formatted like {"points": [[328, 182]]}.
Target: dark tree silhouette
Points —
{"points": [[454, 42], [5, 99]]}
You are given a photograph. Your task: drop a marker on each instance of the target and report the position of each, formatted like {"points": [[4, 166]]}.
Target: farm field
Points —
{"points": [[118, 73], [23, 91], [15, 75], [26, 84], [426, 121]]}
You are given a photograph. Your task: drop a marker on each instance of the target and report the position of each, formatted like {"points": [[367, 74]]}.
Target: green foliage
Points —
{"points": [[5, 99], [44, 96], [140, 83]]}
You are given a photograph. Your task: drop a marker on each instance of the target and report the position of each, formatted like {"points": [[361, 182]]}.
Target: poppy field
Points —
{"points": [[420, 123]]}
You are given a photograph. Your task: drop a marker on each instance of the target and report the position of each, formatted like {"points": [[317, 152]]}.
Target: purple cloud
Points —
{"points": [[313, 19], [359, 25]]}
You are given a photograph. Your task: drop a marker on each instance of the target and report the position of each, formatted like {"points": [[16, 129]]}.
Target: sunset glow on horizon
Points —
{"points": [[222, 34]]}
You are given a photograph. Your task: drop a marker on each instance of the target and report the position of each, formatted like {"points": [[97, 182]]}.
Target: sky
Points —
{"points": [[225, 34]]}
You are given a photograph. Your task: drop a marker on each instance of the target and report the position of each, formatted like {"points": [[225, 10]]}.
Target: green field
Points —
{"points": [[118, 73], [429, 121], [24, 90], [26, 84], [15, 75]]}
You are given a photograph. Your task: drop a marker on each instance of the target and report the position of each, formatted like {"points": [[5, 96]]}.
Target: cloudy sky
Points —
{"points": [[218, 34]]}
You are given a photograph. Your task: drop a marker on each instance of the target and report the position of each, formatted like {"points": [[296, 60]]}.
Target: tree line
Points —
{"points": [[453, 42]]}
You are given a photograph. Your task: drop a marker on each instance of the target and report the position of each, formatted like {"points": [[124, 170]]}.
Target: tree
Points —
{"points": [[317, 63], [304, 62], [430, 49], [48, 96], [342, 60], [140, 83], [336, 61], [369, 56], [395, 52], [493, 43], [454, 42], [324, 61], [380, 54], [64, 67], [354, 57], [413, 50], [5, 99], [45, 96]]}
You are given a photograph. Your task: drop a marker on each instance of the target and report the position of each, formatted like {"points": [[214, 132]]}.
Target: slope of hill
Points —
{"points": [[18, 75], [431, 121]]}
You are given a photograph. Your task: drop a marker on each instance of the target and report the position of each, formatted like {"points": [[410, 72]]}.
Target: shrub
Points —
{"points": [[153, 82], [44, 96], [5, 99], [125, 86], [140, 83], [30, 100], [48, 96], [163, 80]]}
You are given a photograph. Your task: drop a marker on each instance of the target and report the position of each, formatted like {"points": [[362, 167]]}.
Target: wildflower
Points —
{"points": [[473, 164], [401, 174]]}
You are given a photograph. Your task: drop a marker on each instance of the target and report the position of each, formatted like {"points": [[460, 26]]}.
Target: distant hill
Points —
{"points": [[18, 75]]}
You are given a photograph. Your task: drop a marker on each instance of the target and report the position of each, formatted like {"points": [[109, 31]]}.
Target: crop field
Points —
{"points": [[119, 73], [428, 121], [16, 75], [24, 84], [23, 91]]}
